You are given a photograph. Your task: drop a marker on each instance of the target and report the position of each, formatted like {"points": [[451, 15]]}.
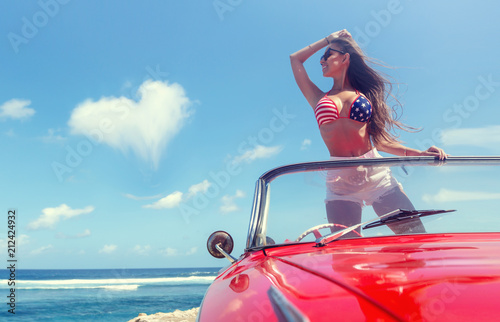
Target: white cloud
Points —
{"points": [[53, 137], [485, 137], [127, 85], [141, 250], [228, 202], [16, 109], [169, 251], [51, 216], [200, 187], [170, 201], [192, 251], [21, 240], [145, 127], [85, 233], [259, 152], [174, 199], [305, 144], [41, 250], [130, 196], [108, 249], [446, 195]]}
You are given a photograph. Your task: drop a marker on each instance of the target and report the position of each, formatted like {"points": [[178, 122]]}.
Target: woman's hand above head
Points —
{"points": [[338, 34], [310, 91], [436, 152]]}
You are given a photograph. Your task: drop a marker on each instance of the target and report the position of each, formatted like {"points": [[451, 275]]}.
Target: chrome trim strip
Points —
{"points": [[261, 229], [255, 216], [283, 308], [259, 214]]}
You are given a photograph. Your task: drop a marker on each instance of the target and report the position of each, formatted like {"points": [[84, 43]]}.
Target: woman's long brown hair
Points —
{"points": [[377, 89]]}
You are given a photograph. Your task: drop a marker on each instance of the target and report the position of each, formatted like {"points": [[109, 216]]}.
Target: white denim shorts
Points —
{"points": [[360, 184]]}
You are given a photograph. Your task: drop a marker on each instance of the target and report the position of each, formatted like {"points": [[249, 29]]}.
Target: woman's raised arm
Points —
{"points": [[310, 91]]}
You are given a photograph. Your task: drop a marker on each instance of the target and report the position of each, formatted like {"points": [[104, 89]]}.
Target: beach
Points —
{"points": [[176, 316]]}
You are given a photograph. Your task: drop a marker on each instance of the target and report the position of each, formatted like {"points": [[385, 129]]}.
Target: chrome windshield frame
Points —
{"points": [[258, 219]]}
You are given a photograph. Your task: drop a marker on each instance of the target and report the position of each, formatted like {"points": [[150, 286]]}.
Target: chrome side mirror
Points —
{"points": [[220, 244]]}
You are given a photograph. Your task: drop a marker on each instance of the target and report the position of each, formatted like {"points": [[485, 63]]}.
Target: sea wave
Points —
{"points": [[114, 283], [106, 287]]}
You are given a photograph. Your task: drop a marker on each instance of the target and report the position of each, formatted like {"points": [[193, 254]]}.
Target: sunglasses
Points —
{"points": [[328, 53]]}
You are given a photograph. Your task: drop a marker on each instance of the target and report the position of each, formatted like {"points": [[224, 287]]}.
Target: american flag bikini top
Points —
{"points": [[326, 111]]}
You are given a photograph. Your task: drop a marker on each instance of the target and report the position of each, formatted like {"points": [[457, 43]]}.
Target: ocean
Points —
{"points": [[101, 294]]}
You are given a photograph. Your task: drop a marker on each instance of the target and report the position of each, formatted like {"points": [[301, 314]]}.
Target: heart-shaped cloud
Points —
{"points": [[145, 126]]}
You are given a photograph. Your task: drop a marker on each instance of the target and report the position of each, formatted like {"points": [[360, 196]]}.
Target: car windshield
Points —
{"points": [[305, 203]]}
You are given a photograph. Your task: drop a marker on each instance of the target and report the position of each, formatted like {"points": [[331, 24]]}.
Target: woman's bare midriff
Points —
{"points": [[346, 138]]}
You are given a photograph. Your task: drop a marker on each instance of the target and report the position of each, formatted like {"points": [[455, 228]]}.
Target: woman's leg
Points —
{"points": [[397, 199], [345, 213]]}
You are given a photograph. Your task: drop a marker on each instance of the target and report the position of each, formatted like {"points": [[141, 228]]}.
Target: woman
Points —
{"points": [[355, 122]]}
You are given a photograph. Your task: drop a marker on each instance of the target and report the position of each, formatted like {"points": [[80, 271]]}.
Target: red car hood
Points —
{"points": [[443, 277]]}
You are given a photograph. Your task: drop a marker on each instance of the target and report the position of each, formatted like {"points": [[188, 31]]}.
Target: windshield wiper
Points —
{"points": [[399, 215], [390, 217]]}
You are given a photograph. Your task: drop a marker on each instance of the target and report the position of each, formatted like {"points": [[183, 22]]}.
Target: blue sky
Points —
{"points": [[120, 121]]}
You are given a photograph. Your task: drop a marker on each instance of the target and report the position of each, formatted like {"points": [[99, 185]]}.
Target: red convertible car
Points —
{"points": [[436, 260]]}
